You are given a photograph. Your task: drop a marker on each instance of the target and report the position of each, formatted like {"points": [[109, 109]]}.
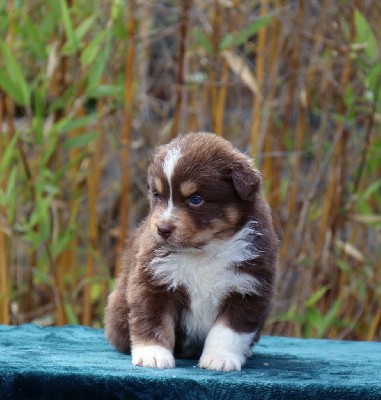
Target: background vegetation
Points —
{"points": [[89, 88]]}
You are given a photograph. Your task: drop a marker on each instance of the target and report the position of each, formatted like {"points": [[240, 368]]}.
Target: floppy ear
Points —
{"points": [[246, 180]]}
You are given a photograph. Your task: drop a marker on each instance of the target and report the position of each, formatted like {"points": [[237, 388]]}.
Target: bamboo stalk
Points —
{"points": [[125, 139], [25, 298], [11, 26], [255, 146], [63, 264], [271, 166], [67, 263], [93, 181], [215, 51], [334, 184], [295, 62], [4, 281], [221, 100], [374, 327], [192, 102], [218, 120], [180, 81]]}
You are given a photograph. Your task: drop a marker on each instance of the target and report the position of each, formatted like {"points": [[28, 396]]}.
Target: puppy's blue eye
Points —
{"points": [[195, 200]]}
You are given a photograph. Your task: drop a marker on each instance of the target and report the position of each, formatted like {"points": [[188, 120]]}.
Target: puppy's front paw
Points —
{"points": [[222, 361], [152, 356]]}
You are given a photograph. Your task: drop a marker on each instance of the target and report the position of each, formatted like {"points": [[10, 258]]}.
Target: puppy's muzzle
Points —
{"points": [[165, 230]]}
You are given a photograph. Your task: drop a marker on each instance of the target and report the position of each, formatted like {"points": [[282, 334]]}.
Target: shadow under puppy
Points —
{"points": [[198, 274]]}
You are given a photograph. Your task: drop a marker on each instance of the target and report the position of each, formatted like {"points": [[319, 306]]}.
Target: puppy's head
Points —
{"points": [[200, 189]]}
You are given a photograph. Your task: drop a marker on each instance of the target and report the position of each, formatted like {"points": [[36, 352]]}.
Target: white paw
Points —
{"points": [[152, 356], [222, 362]]}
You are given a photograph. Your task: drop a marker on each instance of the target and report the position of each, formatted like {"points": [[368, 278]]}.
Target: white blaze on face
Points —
{"points": [[169, 165]]}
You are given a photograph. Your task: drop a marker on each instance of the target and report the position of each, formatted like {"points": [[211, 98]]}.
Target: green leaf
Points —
{"points": [[10, 88], [365, 34], [98, 67], [95, 292], [328, 320], [238, 38], [4, 23], [371, 189], [316, 296], [92, 49], [72, 44], [80, 140], [62, 242], [106, 90], [313, 320], [10, 195], [51, 146], [344, 266], [18, 88], [33, 238], [84, 27], [201, 40], [68, 125], [8, 155], [71, 317], [62, 172], [34, 39]]}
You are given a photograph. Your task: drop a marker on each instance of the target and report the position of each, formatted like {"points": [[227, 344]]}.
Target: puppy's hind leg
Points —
{"points": [[116, 321]]}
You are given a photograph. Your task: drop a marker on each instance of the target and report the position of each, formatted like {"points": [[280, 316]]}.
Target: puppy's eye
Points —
{"points": [[195, 200]]}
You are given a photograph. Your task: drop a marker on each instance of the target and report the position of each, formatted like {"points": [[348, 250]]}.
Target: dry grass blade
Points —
{"points": [[239, 67], [350, 250]]}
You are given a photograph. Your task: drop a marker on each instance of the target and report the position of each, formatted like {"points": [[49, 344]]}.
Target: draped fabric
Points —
{"points": [[75, 362]]}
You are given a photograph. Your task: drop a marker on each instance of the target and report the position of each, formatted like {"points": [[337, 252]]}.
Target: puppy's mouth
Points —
{"points": [[175, 244]]}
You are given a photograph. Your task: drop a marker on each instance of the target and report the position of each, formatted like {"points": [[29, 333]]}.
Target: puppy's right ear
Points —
{"points": [[247, 181]]}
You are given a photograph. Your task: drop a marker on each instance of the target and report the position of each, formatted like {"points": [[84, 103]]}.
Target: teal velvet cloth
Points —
{"points": [[75, 362]]}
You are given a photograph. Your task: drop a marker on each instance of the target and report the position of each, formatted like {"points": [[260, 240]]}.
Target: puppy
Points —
{"points": [[198, 274]]}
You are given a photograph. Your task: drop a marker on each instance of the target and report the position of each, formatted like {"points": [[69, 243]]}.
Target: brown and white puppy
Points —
{"points": [[198, 274]]}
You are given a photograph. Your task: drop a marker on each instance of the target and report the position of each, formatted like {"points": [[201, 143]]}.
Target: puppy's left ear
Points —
{"points": [[247, 181]]}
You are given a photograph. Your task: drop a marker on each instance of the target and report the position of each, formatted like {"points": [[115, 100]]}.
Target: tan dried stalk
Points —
{"points": [[68, 262], [375, 326], [192, 101], [65, 264], [180, 81], [4, 281], [215, 40], [125, 139], [218, 120], [25, 297], [295, 62], [93, 180], [272, 166], [259, 74], [335, 178], [11, 26]]}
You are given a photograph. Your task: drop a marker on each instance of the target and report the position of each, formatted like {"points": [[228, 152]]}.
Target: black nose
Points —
{"points": [[165, 230]]}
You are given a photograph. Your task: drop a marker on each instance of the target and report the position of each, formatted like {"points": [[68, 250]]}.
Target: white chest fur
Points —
{"points": [[208, 275]]}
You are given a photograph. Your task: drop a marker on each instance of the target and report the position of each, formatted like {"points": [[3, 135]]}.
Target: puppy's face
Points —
{"points": [[200, 189]]}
